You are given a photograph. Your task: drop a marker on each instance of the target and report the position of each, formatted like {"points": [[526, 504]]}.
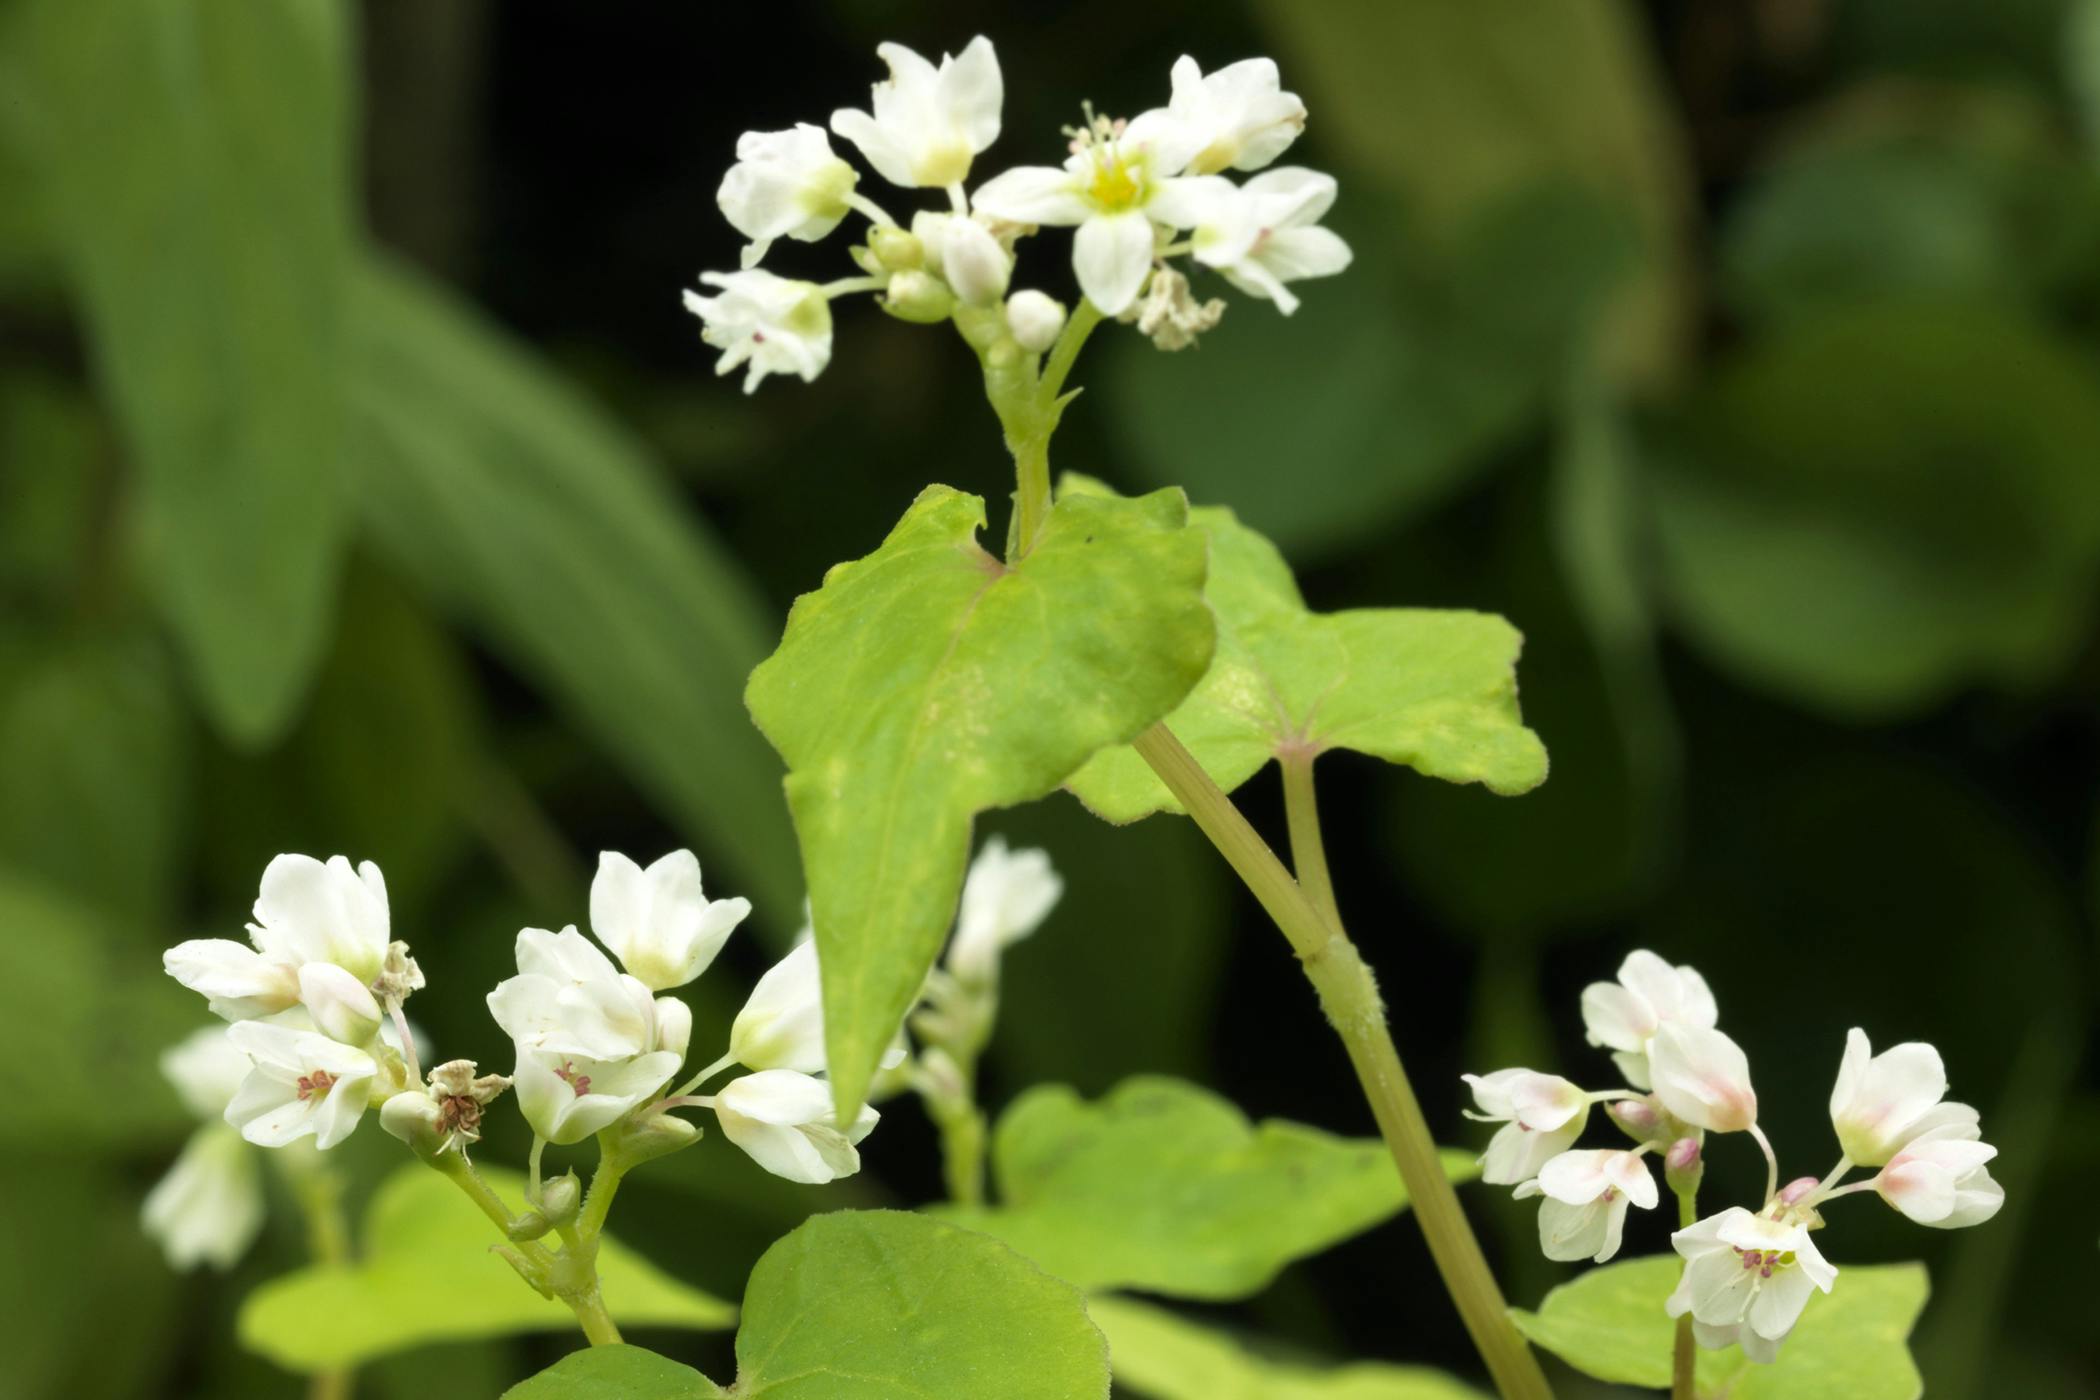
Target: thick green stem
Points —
{"points": [[1349, 995], [1684, 1360], [597, 1323], [962, 1152]]}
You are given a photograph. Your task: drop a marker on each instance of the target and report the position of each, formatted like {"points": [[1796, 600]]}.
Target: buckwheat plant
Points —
{"points": [[318, 1037], [1145, 656], [1747, 1274]]}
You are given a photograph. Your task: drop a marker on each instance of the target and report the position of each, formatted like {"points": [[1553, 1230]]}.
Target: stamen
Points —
{"points": [[581, 1083], [315, 1085]]}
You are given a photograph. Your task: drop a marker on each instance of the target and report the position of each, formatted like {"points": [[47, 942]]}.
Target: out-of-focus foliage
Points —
{"points": [[426, 1274], [363, 489]]}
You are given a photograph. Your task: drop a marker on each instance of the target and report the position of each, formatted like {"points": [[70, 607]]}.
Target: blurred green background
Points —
{"points": [[364, 488]]}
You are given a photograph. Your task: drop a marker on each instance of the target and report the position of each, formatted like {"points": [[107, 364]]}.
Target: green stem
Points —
{"points": [[320, 1193], [1308, 852], [1030, 423], [1349, 995], [597, 1323], [962, 1153], [1684, 1360]]}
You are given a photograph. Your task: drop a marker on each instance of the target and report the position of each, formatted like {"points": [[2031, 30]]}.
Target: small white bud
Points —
{"points": [[918, 297], [974, 263], [896, 249], [1035, 320], [560, 1198], [343, 1008], [415, 1118]]}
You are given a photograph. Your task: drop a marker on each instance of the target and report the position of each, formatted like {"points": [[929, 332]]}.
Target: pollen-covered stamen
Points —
{"points": [[315, 1085], [1766, 1261], [581, 1083]]}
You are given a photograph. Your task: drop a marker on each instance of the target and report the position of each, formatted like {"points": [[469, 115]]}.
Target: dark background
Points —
{"points": [[1742, 353]]}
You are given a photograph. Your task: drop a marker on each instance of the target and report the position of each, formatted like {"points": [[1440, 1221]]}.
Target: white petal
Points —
{"points": [[1112, 254], [1616, 1017], [972, 91], [238, 982], [890, 159], [209, 1206], [342, 1007], [205, 1067], [1033, 194], [782, 1025], [1703, 1077]]}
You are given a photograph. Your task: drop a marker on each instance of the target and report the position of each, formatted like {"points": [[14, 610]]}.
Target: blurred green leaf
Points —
{"points": [[880, 1305], [83, 1004], [1167, 1187], [1403, 379], [1849, 1345], [1060, 1019], [87, 1305], [1452, 104], [95, 745], [51, 474], [192, 160], [615, 1372], [1871, 510], [1913, 191], [1434, 690], [381, 765], [929, 682], [427, 1275], [524, 512], [1168, 1357]]}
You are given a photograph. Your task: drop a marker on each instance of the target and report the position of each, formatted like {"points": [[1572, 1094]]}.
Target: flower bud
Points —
{"points": [[1798, 1190], [650, 1135], [1636, 1116], [1035, 320], [896, 250], [974, 263], [1684, 1165], [343, 1008], [560, 1198], [415, 1118], [918, 297]]}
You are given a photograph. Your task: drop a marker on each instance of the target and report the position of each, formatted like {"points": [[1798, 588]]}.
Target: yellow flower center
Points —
{"points": [[1119, 181]]}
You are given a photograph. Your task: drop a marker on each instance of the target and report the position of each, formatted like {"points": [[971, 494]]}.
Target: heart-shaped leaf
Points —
{"points": [[876, 1305], [928, 682], [1434, 690], [1851, 1345], [1167, 1187], [428, 1276]]}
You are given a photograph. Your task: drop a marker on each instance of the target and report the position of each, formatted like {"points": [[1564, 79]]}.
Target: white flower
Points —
{"points": [[307, 912], [782, 1024], [786, 1123], [1748, 1272], [209, 1206], [775, 325], [785, 184], [1238, 118], [657, 922], [1034, 319], [569, 999], [1937, 1176], [1265, 233], [1584, 1213], [342, 1007], [567, 1098], [299, 1084], [206, 1068], [1006, 897], [1119, 183], [1541, 1114], [1626, 1014], [1880, 1099], [928, 124], [1703, 1078]]}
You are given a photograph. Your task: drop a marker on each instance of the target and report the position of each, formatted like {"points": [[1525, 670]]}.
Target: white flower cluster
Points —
{"points": [[1747, 1274], [1138, 192], [318, 1037]]}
